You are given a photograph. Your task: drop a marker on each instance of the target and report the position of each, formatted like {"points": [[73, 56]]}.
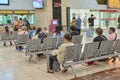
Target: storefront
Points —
{"points": [[7, 16], [104, 18]]}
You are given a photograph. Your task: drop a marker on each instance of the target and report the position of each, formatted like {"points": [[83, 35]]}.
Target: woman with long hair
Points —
{"points": [[7, 32]]}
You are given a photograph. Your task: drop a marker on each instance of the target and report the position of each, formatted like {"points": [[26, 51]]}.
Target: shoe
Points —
{"points": [[50, 71], [64, 70]]}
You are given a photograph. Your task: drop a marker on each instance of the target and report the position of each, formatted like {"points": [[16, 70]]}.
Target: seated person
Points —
{"points": [[113, 36], [58, 55], [41, 35], [45, 30], [21, 32], [7, 31], [100, 37], [58, 32], [73, 31], [32, 32]]}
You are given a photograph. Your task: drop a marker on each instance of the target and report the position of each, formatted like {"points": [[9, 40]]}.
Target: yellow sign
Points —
{"points": [[5, 12], [21, 12], [114, 3]]}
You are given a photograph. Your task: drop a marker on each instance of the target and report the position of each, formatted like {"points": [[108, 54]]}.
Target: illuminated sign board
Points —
{"points": [[114, 4]]}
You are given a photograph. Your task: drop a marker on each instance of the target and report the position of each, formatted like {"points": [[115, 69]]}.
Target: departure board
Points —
{"points": [[114, 4]]}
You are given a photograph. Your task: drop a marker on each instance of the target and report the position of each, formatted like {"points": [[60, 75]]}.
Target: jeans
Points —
{"points": [[51, 60]]}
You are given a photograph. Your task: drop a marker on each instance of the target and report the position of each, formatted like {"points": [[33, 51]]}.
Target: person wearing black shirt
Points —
{"points": [[91, 21], [100, 37]]}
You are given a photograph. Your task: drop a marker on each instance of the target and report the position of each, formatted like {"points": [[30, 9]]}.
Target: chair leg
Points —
{"points": [[73, 70], [30, 57]]}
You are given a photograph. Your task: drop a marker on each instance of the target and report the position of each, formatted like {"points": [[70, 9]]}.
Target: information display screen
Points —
{"points": [[114, 4], [4, 2], [38, 4]]}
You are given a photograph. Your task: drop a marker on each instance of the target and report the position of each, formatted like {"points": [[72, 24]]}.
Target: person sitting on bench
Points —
{"points": [[58, 55]]}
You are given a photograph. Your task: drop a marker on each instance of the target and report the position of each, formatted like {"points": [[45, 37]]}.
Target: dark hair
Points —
{"points": [[38, 30], [72, 28], [6, 29], [92, 15], [74, 18], [68, 37], [34, 28], [112, 29], [20, 18], [99, 31], [58, 29]]}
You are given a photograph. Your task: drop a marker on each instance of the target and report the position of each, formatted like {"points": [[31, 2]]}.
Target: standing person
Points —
{"points": [[91, 21], [27, 24], [73, 23], [85, 22], [78, 24], [107, 23], [119, 22], [16, 23], [21, 23]]}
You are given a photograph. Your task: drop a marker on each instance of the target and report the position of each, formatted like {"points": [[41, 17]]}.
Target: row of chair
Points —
{"points": [[92, 52]]}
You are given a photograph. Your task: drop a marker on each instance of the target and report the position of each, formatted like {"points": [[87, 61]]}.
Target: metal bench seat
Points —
{"points": [[92, 52]]}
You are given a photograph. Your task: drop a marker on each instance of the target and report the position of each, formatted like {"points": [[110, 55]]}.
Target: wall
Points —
{"points": [[19, 5], [85, 4], [44, 16]]}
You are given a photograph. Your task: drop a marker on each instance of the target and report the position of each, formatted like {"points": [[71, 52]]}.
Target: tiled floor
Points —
{"points": [[15, 66], [111, 74]]}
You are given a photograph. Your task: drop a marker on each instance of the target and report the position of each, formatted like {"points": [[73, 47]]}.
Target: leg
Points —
{"points": [[50, 65], [80, 31]]}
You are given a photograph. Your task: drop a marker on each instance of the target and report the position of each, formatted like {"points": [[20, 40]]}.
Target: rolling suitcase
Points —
{"points": [[56, 64], [89, 33]]}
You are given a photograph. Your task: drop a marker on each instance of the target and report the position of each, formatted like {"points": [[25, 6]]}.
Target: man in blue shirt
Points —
{"points": [[78, 24]]}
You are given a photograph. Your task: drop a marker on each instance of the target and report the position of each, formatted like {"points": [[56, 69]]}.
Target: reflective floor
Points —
{"points": [[14, 65]]}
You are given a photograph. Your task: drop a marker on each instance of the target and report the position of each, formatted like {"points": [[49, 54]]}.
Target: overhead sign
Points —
{"points": [[21, 12], [5, 12], [114, 4]]}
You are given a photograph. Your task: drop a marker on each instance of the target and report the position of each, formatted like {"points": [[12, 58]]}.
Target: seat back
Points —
{"points": [[72, 53], [22, 39], [117, 45], [49, 34], [5, 36], [59, 41], [90, 50], [14, 35], [49, 43], [33, 45], [77, 39], [105, 47]]}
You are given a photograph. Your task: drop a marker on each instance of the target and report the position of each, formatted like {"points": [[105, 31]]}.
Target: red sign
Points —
{"points": [[111, 19], [108, 11]]}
